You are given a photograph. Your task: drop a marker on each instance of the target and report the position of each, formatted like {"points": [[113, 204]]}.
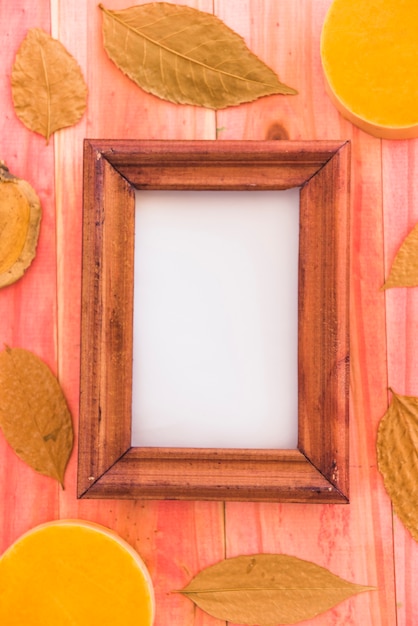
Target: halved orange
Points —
{"points": [[369, 52], [76, 573]]}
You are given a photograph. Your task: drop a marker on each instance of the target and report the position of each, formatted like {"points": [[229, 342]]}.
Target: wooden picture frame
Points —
{"points": [[108, 466]]}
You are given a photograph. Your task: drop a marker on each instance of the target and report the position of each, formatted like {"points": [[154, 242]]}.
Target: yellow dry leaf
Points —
{"points": [[268, 589], [20, 217], [397, 456], [48, 88], [404, 270], [34, 415], [186, 56]]}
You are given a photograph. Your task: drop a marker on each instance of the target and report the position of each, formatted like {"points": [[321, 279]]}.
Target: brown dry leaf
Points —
{"points": [[397, 456], [404, 270], [34, 415], [186, 56], [48, 88], [268, 589], [20, 217]]}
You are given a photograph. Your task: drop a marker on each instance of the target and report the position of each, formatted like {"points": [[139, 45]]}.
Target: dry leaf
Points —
{"points": [[20, 217], [34, 415], [397, 455], [404, 270], [268, 589], [48, 87], [186, 56]]}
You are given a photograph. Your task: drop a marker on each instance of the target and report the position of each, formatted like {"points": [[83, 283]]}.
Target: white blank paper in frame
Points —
{"points": [[215, 319]]}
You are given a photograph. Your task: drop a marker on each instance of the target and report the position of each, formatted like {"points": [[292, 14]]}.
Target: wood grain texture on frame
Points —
{"points": [[109, 467]]}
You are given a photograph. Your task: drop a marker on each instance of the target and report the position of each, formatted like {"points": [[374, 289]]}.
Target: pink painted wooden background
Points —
{"points": [[362, 542]]}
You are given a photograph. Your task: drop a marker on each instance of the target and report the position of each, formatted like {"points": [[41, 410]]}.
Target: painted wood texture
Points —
{"points": [[361, 542]]}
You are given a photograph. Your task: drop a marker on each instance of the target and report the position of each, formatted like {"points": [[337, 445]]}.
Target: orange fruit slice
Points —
{"points": [[369, 53], [74, 573]]}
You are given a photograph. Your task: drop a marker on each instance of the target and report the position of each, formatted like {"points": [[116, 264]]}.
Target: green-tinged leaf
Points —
{"points": [[404, 270], [34, 415], [186, 56], [267, 589], [20, 216], [48, 87], [397, 455]]}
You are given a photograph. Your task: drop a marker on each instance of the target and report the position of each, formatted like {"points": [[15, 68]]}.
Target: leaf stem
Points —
{"points": [[48, 92]]}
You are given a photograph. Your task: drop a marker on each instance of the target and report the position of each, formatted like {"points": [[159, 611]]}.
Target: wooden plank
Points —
{"points": [[355, 541], [175, 539], [400, 214], [28, 307]]}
